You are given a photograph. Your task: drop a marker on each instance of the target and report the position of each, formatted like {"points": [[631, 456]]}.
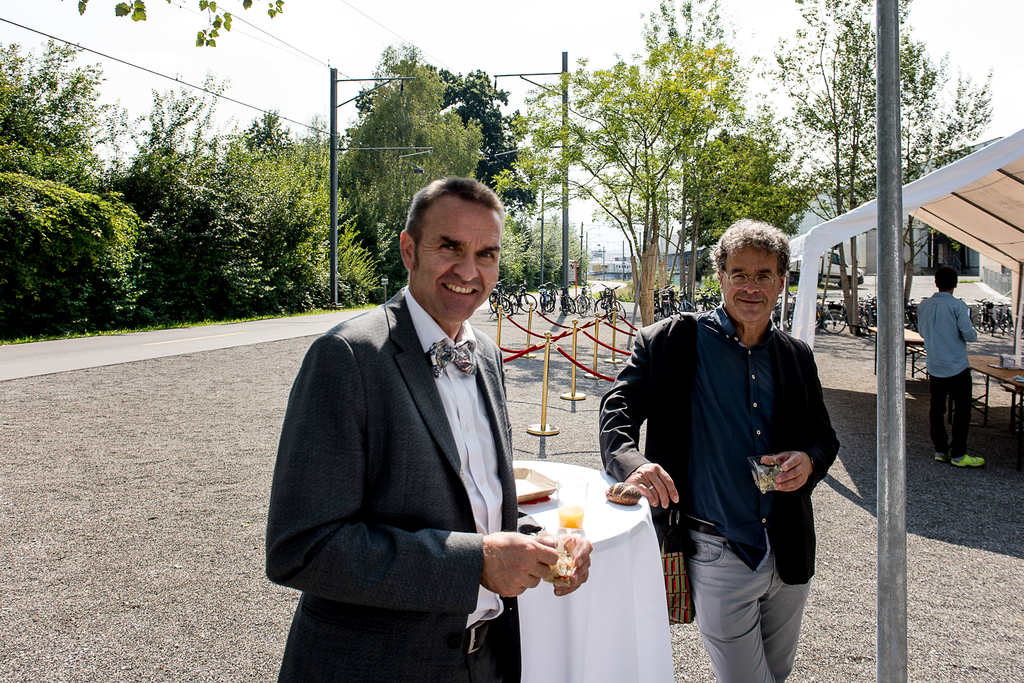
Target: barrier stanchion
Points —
{"points": [[613, 360], [498, 341], [544, 429], [529, 331], [597, 333], [572, 395]]}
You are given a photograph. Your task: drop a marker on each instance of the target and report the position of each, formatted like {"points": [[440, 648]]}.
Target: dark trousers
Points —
{"points": [[959, 389]]}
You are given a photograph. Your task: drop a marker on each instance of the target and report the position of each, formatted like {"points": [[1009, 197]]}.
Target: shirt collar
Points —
{"points": [[719, 321], [427, 329]]}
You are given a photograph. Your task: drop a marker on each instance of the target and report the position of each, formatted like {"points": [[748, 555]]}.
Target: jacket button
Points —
{"points": [[455, 642]]}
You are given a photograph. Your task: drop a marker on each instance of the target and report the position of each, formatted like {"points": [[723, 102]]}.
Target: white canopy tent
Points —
{"points": [[977, 201]]}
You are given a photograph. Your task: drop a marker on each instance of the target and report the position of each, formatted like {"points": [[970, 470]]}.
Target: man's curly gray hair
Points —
{"points": [[758, 235]]}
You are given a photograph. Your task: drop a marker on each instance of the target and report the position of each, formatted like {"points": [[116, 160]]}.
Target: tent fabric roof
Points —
{"points": [[977, 201]]}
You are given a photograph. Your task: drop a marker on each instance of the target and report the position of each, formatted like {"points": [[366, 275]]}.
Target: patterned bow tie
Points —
{"points": [[441, 353]]}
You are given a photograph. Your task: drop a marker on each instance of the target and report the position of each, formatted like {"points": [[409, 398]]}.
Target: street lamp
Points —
{"points": [[384, 283]]}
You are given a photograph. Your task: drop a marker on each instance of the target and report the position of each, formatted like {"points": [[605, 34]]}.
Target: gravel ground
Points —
{"points": [[134, 501]]}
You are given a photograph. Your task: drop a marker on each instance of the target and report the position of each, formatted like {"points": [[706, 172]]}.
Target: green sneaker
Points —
{"points": [[941, 457], [968, 461]]}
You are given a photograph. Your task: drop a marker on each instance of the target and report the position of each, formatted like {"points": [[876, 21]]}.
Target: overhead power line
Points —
{"points": [[425, 53], [235, 17], [170, 78]]}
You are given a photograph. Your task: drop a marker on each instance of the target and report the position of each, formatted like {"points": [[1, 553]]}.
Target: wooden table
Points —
{"points": [[991, 368], [914, 345]]}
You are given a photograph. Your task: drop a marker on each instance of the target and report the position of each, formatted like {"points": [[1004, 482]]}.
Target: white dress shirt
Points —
{"points": [[467, 416]]}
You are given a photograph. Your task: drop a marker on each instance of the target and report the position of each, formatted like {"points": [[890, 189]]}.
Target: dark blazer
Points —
{"points": [[654, 386], [369, 516]]}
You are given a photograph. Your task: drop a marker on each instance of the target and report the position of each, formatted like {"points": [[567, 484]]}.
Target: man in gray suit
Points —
{"points": [[393, 506]]}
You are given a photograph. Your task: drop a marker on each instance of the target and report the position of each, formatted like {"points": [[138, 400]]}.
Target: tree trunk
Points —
{"points": [[647, 275], [694, 239], [908, 266]]}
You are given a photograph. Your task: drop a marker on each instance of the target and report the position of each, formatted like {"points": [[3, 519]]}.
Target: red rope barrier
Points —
{"points": [[623, 319], [584, 367], [564, 327], [628, 334], [535, 347], [518, 354], [610, 348], [530, 332]]}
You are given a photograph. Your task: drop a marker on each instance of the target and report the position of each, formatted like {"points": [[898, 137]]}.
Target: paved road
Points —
{"points": [[43, 358]]}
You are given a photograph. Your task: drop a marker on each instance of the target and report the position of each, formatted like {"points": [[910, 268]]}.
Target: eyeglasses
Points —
{"points": [[761, 281]]}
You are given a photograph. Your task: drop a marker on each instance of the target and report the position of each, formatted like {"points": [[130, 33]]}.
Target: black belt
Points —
{"points": [[474, 637], [697, 525]]}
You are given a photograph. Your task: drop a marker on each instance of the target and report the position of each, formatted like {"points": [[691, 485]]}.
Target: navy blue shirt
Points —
{"points": [[732, 400]]}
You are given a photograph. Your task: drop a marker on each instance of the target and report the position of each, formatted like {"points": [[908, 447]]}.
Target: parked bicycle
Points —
{"points": [[584, 301], [832, 317], [665, 303], [567, 302], [867, 312], [548, 297], [910, 315], [497, 298], [607, 301], [521, 300]]}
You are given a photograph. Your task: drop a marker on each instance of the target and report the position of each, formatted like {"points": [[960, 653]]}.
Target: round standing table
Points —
{"points": [[613, 628]]}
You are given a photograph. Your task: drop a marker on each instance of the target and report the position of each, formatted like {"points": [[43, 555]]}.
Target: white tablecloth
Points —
{"points": [[615, 627]]}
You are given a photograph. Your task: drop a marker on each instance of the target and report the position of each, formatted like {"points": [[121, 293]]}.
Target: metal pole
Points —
{"points": [[334, 186], [565, 170], [542, 236], [1017, 319], [891, 642], [579, 262]]}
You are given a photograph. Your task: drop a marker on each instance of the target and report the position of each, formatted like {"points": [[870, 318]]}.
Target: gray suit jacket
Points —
{"points": [[369, 516]]}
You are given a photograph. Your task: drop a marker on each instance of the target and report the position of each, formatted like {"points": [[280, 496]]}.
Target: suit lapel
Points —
{"points": [[415, 369], [489, 382]]}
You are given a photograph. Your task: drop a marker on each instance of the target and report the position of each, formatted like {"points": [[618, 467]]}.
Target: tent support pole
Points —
{"points": [[1020, 310], [891, 638]]}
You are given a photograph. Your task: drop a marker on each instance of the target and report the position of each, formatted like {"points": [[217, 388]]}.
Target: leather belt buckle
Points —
{"points": [[474, 638]]}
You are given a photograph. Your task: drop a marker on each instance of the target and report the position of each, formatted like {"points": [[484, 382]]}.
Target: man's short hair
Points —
{"points": [[759, 235], [946, 278], [468, 189]]}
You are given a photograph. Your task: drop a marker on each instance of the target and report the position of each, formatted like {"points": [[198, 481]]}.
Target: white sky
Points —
{"points": [[524, 36]]}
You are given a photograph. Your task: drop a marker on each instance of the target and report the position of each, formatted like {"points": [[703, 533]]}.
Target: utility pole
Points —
{"points": [[542, 237], [334, 160], [565, 170], [334, 187], [891, 598], [564, 73]]}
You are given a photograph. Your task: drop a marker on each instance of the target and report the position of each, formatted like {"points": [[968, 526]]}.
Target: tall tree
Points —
{"points": [[828, 72], [475, 98], [940, 122], [65, 245], [378, 182], [632, 125], [50, 121]]}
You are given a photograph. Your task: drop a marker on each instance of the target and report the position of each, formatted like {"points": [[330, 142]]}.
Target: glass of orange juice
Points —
{"points": [[572, 499]]}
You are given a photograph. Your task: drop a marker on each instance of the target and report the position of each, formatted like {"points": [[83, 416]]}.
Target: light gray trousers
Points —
{"points": [[750, 621]]}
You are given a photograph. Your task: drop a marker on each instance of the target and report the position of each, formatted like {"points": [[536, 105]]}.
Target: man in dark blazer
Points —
{"points": [[393, 506], [714, 390]]}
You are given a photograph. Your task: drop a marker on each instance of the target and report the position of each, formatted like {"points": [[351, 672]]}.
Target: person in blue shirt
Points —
{"points": [[945, 323], [715, 389]]}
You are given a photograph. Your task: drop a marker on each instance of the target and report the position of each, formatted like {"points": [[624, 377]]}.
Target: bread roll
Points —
{"points": [[623, 494]]}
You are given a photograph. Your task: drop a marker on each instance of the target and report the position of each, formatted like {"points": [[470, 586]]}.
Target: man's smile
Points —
{"points": [[457, 289]]}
